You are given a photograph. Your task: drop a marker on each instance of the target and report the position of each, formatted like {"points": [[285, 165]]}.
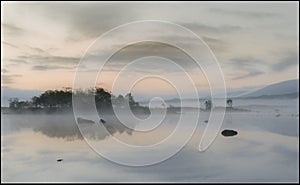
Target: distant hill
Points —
{"points": [[288, 88]]}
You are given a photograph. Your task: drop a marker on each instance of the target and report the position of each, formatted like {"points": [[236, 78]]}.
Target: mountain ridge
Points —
{"points": [[276, 89]]}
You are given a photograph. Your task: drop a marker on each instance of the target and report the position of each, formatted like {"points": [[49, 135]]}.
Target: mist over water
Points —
{"points": [[150, 92], [265, 149]]}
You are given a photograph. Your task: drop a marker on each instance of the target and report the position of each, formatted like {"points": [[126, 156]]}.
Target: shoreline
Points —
{"points": [[175, 110]]}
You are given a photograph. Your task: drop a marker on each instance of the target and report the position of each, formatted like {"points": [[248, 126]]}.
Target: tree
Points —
{"points": [[131, 101], [120, 100], [54, 99], [59, 99], [103, 99], [13, 103], [36, 101], [208, 104], [16, 104]]}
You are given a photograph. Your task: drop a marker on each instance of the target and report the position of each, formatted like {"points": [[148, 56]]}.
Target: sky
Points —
{"points": [[256, 44]]}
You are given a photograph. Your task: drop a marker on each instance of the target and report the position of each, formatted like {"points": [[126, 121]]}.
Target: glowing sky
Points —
{"points": [[42, 43]]}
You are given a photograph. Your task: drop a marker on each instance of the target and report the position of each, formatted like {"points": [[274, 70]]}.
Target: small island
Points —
{"points": [[60, 101]]}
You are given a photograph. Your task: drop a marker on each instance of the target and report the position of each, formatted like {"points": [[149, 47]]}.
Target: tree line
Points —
{"points": [[62, 99]]}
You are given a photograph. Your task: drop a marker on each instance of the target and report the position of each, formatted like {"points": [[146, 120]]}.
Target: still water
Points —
{"points": [[265, 149]]}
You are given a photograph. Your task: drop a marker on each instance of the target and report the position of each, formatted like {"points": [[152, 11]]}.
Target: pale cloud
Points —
{"points": [[215, 44], [251, 73], [246, 14], [8, 79], [4, 70], [50, 59], [49, 67], [223, 29], [38, 50], [286, 63], [250, 66], [11, 45], [18, 61], [232, 31], [10, 29]]}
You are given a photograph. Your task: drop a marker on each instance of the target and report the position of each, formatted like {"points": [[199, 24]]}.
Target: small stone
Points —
{"points": [[228, 133], [82, 120]]}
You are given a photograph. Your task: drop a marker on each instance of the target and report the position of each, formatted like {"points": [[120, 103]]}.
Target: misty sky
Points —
{"points": [[42, 43]]}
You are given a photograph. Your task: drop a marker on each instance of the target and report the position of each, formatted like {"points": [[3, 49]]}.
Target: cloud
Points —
{"points": [[87, 20], [9, 78], [48, 67], [245, 62], [215, 44], [51, 59], [249, 65], [46, 62], [37, 50], [212, 29], [253, 66], [286, 63], [54, 24], [3, 70], [11, 64], [245, 14], [9, 44], [18, 61], [252, 73], [137, 51], [212, 40], [12, 29]]}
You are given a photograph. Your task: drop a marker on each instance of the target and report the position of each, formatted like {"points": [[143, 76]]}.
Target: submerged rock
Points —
{"points": [[206, 121], [82, 120], [228, 133]]}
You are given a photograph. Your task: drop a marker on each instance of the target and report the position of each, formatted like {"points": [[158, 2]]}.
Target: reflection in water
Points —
{"points": [[64, 126], [265, 149]]}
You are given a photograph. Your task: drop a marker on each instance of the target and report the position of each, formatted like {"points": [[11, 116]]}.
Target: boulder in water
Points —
{"points": [[102, 121], [82, 120], [229, 133]]}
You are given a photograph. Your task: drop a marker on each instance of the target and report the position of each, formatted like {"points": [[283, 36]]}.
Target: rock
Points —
{"points": [[277, 115], [206, 121], [59, 160], [228, 133], [102, 121]]}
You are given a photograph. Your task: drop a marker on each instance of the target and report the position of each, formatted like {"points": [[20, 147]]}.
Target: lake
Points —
{"points": [[266, 148]]}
